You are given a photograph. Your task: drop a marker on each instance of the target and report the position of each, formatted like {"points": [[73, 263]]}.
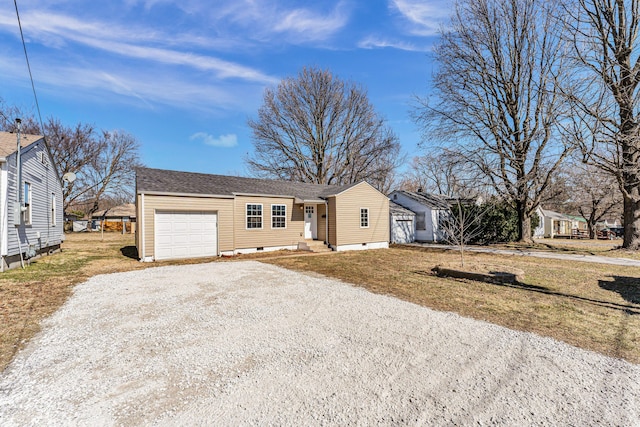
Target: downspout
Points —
{"points": [[326, 223], [4, 221], [142, 245], [18, 208]]}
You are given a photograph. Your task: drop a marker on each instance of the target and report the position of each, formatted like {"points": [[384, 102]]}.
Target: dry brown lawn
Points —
{"points": [[591, 306]]}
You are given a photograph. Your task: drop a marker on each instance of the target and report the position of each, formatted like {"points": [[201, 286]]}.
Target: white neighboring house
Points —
{"points": [[427, 208], [538, 232], [31, 220]]}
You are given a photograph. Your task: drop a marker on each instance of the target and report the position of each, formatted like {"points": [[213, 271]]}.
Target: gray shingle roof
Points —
{"points": [[426, 199], [168, 181], [396, 209]]}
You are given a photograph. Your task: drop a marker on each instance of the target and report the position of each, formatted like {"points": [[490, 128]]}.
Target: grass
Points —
{"points": [[596, 307], [593, 306]]}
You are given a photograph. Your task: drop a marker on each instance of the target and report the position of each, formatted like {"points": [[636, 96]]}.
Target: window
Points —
{"points": [[254, 216], [26, 214], [53, 209], [421, 224], [278, 216], [308, 210], [364, 218]]}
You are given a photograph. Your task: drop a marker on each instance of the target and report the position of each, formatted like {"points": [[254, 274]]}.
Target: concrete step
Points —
{"points": [[316, 246]]}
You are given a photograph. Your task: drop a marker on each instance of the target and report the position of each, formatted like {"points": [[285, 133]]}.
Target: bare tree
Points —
{"points": [[461, 221], [112, 171], [496, 86], [443, 172], [73, 150], [318, 128], [104, 162], [605, 93], [595, 195]]}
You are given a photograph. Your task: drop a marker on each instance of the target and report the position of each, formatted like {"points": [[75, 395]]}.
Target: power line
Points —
{"points": [[24, 46]]}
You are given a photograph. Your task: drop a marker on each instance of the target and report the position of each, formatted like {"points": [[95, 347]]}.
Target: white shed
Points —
{"points": [[402, 224]]}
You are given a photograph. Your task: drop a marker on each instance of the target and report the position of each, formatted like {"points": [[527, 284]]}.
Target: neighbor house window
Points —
{"points": [[364, 217], [53, 209], [278, 216], [26, 214], [254, 216], [420, 221]]}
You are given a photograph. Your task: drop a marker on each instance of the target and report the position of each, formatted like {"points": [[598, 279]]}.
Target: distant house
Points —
{"points": [[428, 210], [402, 224], [119, 218], [185, 215], [558, 225], [31, 215]]}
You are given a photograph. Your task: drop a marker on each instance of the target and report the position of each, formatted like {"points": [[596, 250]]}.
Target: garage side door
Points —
{"points": [[185, 234]]}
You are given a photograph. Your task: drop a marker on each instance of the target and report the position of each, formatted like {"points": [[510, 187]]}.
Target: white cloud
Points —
{"points": [[425, 17], [229, 140], [373, 42], [107, 37], [311, 25]]}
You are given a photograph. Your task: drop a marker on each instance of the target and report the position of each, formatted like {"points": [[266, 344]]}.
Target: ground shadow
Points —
{"points": [[129, 252], [627, 287]]}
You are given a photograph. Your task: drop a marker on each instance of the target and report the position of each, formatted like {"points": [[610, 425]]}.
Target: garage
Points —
{"points": [[402, 224], [185, 234]]}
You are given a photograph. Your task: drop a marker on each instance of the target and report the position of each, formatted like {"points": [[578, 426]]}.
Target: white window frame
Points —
{"points": [[53, 209], [28, 202], [366, 217], [283, 216], [247, 216]]}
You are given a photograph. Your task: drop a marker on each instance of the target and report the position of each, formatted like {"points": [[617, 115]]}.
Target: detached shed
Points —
{"points": [[119, 218], [402, 224]]}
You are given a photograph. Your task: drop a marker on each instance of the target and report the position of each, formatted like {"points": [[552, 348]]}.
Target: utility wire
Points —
{"points": [[24, 46]]}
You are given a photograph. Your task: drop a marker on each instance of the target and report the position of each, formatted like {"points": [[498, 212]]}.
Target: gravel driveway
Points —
{"points": [[248, 343]]}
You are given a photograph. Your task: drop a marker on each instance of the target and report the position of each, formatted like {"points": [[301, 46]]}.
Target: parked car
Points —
{"points": [[617, 232]]}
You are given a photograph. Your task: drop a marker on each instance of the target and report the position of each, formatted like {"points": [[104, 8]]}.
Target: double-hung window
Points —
{"points": [[254, 216], [278, 216], [364, 217]]}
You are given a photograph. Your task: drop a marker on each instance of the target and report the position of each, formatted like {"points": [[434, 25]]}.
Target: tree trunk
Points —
{"points": [[524, 225], [631, 219], [592, 230]]}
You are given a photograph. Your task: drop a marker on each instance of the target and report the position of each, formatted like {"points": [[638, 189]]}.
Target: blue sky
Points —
{"points": [[184, 76]]}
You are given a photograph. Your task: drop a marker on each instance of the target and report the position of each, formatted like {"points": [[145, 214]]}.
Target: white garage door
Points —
{"points": [[185, 234]]}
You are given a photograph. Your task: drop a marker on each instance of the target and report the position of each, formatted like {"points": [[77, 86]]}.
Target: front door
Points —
{"points": [[310, 222]]}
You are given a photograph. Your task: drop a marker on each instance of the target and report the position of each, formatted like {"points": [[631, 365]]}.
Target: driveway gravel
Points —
{"points": [[241, 343]]}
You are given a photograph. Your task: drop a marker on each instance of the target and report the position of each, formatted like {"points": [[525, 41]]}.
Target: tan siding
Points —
{"points": [[322, 223], [348, 206], [224, 207], [332, 220], [267, 237]]}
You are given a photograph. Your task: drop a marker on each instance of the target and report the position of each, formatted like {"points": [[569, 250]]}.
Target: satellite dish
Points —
{"points": [[69, 177]]}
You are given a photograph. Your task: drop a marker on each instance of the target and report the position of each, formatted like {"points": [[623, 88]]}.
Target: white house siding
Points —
{"points": [[539, 231], [427, 234], [44, 182]]}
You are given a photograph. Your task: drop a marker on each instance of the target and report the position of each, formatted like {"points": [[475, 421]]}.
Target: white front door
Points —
{"points": [[310, 222]]}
